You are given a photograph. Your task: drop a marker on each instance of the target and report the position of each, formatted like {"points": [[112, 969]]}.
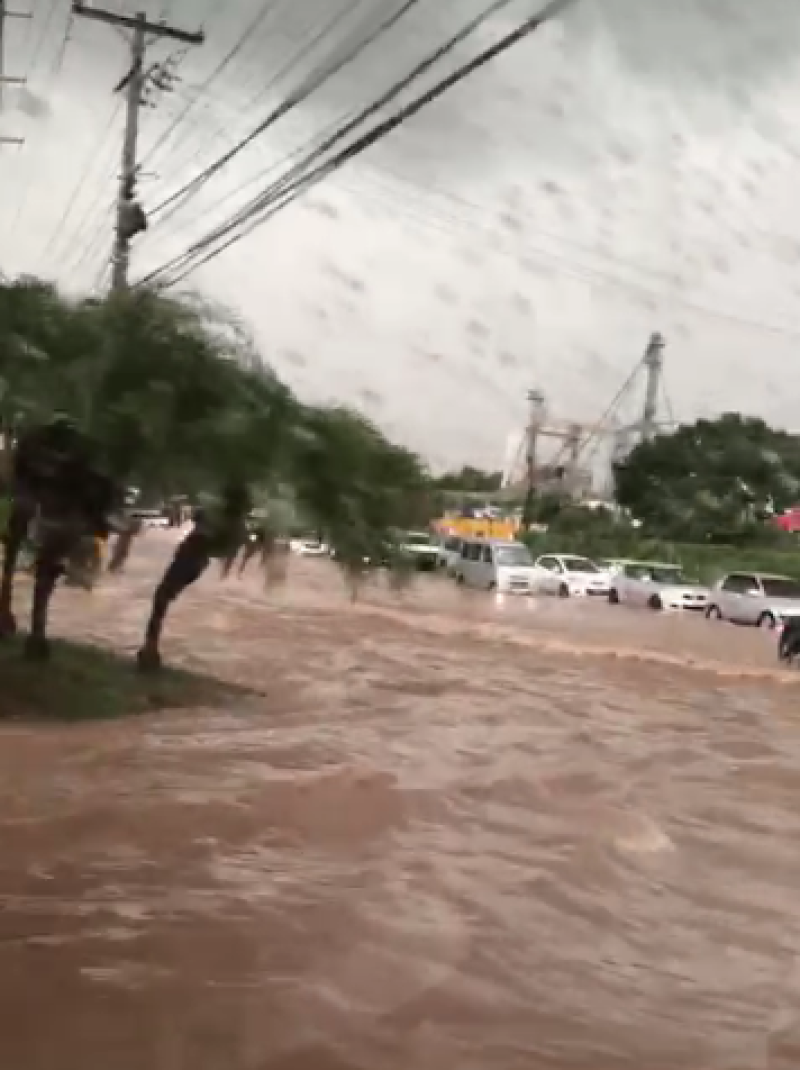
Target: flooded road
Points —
{"points": [[442, 833]]}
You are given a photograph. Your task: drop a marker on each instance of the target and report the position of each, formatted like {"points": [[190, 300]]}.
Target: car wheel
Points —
{"points": [[713, 613], [613, 597], [655, 602], [766, 620], [563, 591]]}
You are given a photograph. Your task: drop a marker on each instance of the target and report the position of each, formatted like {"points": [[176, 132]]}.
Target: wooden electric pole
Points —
{"points": [[130, 218]]}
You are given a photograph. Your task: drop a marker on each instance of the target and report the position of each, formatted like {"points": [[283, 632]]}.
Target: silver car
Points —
{"points": [[754, 598], [657, 585]]}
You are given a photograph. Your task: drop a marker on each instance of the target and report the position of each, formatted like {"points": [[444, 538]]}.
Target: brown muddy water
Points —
{"points": [[448, 834]]}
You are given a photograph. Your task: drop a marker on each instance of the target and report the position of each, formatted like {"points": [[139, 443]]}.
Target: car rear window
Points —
{"points": [[781, 588]]}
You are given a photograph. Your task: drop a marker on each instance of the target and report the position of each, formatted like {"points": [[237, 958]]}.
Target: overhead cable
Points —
{"points": [[263, 14], [255, 98], [54, 72], [386, 98], [301, 179], [58, 238], [309, 86], [354, 122]]}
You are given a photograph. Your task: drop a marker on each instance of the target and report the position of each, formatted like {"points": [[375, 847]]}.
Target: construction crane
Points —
{"points": [[570, 470], [563, 469]]}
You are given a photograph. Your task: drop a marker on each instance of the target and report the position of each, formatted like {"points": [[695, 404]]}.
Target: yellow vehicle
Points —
{"points": [[464, 527]]}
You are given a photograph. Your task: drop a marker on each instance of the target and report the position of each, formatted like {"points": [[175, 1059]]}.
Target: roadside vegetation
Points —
{"points": [[88, 683], [703, 496], [178, 400]]}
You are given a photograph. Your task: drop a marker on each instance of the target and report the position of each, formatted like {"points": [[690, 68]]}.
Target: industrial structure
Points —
{"points": [[584, 448]]}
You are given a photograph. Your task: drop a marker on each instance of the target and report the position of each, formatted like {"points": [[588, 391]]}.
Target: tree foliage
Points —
{"points": [[711, 481], [178, 401], [470, 480]]}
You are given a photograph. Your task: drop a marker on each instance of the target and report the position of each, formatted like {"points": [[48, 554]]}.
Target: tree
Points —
{"points": [[179, 402], [714, 480], [470, 481], [356, 485]]}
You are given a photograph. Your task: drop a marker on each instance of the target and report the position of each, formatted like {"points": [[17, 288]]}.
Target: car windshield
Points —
{"points": [[579, 564], [417, 538], [668, 575], [516, 556], [781, 588]]}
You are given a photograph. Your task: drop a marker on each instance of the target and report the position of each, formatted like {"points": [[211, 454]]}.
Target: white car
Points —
{"points": [[656, 585], [568, 574], [754, 598], [308, 547]]}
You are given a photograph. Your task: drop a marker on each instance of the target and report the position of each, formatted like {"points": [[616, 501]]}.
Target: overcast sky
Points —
{"points": [[632, 167]]}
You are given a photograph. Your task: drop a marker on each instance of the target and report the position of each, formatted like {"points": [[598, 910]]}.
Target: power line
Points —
{"points": [[568, 267], [358, 119], [410, 187], [58, 238], [172, 201], [264, 91], [296, 182], [96, 241], [309, 86], [582, 272], [55, 71], [572, 268], [296, 155], [262, 16]]}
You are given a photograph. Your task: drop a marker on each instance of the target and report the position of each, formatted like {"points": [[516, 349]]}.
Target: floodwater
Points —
{"points": [[443, 833]]}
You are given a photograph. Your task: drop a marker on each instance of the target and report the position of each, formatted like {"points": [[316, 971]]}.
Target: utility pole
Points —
{"points": [[536, 414], [654, 363], [572, 445], [4, 79], [131, 219]]}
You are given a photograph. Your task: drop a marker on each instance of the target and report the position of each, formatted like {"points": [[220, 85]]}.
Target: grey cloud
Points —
{"points": [[713, 46], [572, 94], [611, 147]]}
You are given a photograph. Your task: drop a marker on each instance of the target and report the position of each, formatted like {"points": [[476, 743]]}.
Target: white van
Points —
{"points": [[496, 565]]}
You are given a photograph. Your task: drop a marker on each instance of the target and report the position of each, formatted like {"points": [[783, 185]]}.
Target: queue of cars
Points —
{"points": [[507, 567], [766, 601]]}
